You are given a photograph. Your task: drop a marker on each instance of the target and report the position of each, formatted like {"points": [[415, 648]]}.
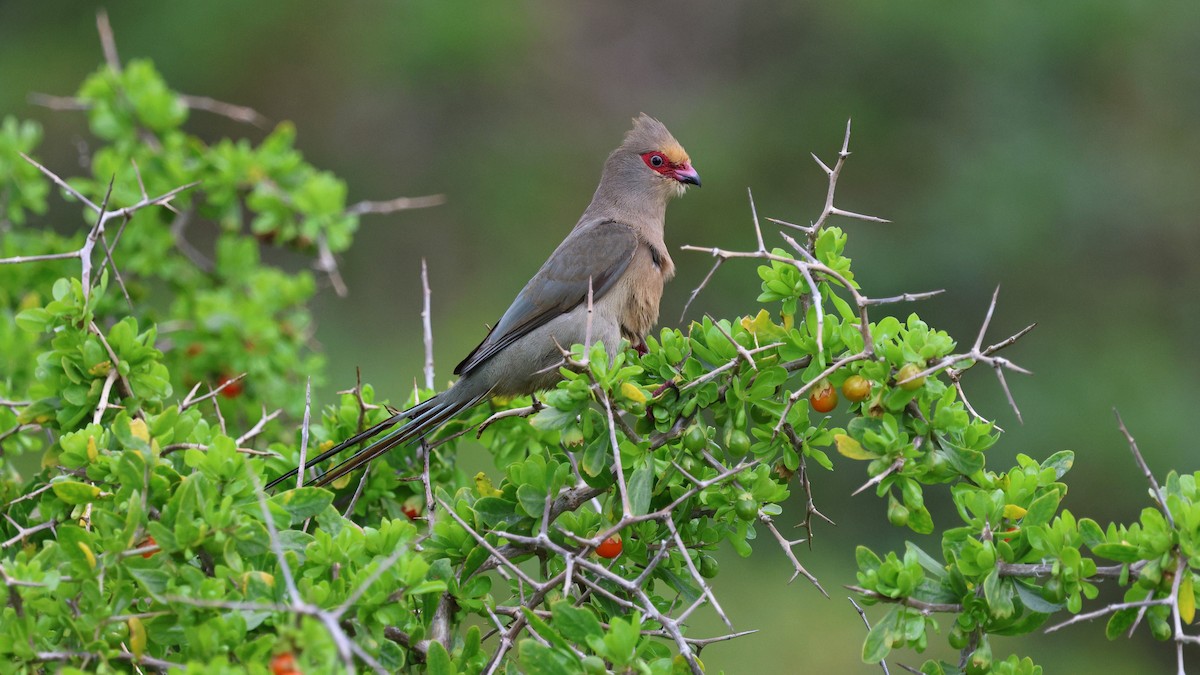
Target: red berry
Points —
{"points": [[232, 389], [148, 542], [411, 508], [284, 664], [610, 548], [824, 397]]}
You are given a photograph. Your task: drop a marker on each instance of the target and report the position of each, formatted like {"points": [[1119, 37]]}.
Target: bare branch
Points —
{"points": [[107, 42], [237, 113], [919, 605], [188, 401], [397, 204], [304, 433], [1141, 462], [791, 555], [426, 325]]}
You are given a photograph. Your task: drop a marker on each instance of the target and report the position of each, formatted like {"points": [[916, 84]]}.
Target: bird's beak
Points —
{"points": [[686, 174]]}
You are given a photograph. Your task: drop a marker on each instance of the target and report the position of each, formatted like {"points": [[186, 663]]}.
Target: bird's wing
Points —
{"points": [[600, 250]]}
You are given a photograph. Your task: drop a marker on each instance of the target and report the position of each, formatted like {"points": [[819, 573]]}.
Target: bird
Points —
{"points": [[615, 252]]}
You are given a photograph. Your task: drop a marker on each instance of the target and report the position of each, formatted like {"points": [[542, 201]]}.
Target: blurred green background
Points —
{"points": [[1050, 148]]}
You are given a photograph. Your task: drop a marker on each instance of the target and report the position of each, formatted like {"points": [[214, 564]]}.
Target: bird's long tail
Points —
{"points": [[423, 418]]}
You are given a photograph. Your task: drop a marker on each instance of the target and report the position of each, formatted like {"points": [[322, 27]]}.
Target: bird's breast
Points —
{"points": [[649, 270]]}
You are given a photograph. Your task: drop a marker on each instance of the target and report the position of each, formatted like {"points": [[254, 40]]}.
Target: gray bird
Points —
{"points": [[617, 246]]}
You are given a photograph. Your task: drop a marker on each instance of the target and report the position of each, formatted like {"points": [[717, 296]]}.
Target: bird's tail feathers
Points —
{"points": [[418, 427], [411, 413]]}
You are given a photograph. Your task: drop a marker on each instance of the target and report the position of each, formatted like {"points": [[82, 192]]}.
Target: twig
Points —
{"points": [[24, 532], [977, 354], [1109, 609], [259, 425], [107, 42], [397, 204], [923, 607], [237, 113], [1141, 462], [426, 325], [791, 555], [188, 401], [863, 615], [524, 411], [626, 507], [328, 264], [893, 468], [304, 433]]}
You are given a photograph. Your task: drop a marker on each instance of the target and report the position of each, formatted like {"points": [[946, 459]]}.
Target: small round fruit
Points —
{"points": [[284, 664], [694, 440], [739, 442], [745, 507], [708, 567], [149, 542], [610, 548], [897, 514], [958, 637], [232, 389], [411, 508], [823, 397], [856, 388], [907, 371]]}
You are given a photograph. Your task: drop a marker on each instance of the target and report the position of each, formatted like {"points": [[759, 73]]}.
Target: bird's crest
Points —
{"points": [[648, 134]]}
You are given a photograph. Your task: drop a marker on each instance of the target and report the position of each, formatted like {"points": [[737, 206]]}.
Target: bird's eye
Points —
{"points": [[656, 161]]}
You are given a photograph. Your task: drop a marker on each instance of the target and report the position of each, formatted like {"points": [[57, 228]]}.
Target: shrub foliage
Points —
{"points": [[139, 375]]}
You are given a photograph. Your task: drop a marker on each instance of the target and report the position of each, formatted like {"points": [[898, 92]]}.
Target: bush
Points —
{"points": [[135, 441]]}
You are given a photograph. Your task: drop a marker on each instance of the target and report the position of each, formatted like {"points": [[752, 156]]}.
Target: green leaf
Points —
{"points": [[596, 456], [879, 641], [964, 460], [1042, 509], [155, 581], [430, 586], [496, 512], [532, 500], [1091, 533], [304, 503], [553, 419], [641, 482], [1060, 461], [851, 448], [866, 559], [936, 569], [74, 492], [539, 659], [544, 629], [437, 660], [575, 623], [1120, 623], [33, 319], [1033, 600], [999, 594], [1125, 553]]}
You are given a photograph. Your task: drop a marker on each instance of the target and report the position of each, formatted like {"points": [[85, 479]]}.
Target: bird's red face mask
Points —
{"points": [[680, 169]]}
